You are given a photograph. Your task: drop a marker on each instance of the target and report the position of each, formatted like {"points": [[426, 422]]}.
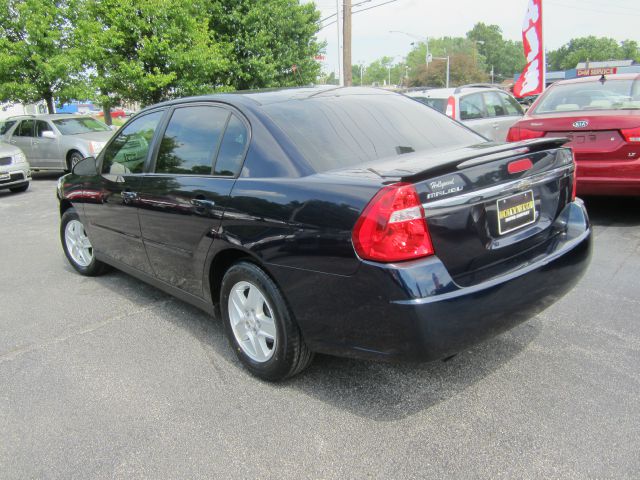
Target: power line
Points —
{"points": [[357, 11]]}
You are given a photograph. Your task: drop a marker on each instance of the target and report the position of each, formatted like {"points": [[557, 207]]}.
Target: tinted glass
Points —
{"points": [[128, 150], [493, 105], [73, 126], [439, 104], [511, 104], [471, 107], [42, 127], [191, 140], [595, 95], [25, 129], [232, 148], [338, 131], [5, 126]]}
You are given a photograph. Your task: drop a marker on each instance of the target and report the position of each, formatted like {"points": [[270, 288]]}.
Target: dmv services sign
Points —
{"points": [[588, 72]]}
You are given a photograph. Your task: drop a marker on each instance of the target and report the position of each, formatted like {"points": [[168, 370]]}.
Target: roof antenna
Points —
{"points": [[603, 79]]}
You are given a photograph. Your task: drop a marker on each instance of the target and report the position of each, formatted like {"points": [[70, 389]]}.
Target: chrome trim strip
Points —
{"points": [[494, 191]]}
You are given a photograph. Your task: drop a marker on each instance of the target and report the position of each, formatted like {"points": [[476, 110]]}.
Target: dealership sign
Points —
{"points": [[531, 82], [588, 72]]}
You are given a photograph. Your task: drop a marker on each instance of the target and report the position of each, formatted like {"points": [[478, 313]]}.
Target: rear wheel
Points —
{"points": [[20, 188], [77, 246], [259, 324]]}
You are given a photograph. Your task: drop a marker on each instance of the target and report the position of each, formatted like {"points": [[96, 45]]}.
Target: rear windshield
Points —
{"points": [[74, 126], [595, 95], [439, 104], [342, 131]]}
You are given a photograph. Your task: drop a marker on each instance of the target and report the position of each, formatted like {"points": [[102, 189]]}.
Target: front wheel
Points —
{"points": [[74, 158], [77, 246], [259, 324]]}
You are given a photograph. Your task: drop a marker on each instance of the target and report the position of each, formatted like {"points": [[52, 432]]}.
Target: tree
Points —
{"points": [[591, 49], [505, 56], [37, 60], [149, 50], [273, 42]]}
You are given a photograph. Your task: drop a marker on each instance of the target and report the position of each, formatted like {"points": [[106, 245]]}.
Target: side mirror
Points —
{"points": [[86, 167], [48, 134]]}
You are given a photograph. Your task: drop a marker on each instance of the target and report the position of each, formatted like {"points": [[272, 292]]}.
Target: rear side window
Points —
{"points": [[339, 131], [129, 149], [25, 129], [232, 148], [471, 107], [191, 140], [493, 105]]}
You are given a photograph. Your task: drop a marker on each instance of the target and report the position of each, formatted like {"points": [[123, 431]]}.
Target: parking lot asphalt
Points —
{"points": [[110, 378]]}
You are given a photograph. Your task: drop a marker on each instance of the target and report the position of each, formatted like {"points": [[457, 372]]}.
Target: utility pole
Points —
{"points": [[346, 39]]}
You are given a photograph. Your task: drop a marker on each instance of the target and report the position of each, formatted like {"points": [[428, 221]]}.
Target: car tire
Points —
{"points": [[74, 158], [260, 326], [77, 247], [20, 188]]}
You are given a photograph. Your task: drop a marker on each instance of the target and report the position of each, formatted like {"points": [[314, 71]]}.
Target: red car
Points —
{"points": [[601, 118], [116, 113]]}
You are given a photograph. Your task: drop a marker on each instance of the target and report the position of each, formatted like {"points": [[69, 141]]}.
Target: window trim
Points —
{"points": [[150, 167]]}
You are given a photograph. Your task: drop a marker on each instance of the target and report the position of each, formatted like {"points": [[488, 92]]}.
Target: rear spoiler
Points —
{"points": [[483, 153]]}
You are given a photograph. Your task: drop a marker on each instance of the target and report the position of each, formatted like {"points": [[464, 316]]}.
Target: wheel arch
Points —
{"points": [[64, 206], [68, 157]]}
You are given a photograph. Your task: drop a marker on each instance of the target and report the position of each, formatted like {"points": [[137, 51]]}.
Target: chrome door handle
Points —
{"points": [[202, 203]]}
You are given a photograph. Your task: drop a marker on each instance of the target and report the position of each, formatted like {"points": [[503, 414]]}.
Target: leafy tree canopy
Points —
{"points": [[593, 49]]}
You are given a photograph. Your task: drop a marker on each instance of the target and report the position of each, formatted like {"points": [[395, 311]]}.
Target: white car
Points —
{"points": [[488, 110], [15, 173]]}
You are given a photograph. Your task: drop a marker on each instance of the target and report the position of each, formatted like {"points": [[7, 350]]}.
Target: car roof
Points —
{"points": [[46, 116], [447, 92], [255, 98], [595, 78]]}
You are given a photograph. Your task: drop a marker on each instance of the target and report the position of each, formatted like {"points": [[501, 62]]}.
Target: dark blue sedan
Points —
{"points": [[347, 221]]}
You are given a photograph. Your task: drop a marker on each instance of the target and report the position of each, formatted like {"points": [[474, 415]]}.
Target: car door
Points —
{"points": [[473, 114], [183, 196], [46, 150], [114, 226], [497, 114], [22, 137]]}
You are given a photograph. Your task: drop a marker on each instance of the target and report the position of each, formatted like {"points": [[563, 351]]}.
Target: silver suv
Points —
{"points": [[488, 110], [15, 173], [58, 141]]}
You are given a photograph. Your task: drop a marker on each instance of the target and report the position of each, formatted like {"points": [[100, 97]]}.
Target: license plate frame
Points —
{"points": [[515, 211]]}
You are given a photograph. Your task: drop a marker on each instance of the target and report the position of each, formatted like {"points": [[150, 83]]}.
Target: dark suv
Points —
{"points": [[345, 221]]}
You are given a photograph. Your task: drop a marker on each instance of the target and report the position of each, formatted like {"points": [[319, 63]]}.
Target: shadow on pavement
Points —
{"points": [[618, 211], [374, 390]]}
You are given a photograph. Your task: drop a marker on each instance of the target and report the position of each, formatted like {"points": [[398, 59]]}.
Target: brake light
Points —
{"points": [[392, 227], [451, 107], [517, 133], [631, 134]]}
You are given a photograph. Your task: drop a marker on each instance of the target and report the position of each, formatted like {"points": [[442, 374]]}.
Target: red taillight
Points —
{"points": [[392, 227], [631, 134], [517, 133], [451, 107]]}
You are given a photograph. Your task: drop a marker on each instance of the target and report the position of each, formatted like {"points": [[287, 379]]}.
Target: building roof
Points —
{"points": [[607, 64]]}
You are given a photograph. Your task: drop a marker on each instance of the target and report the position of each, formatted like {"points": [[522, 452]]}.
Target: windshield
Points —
{"points": [[341, 131], [74, 126], [595, 95]]}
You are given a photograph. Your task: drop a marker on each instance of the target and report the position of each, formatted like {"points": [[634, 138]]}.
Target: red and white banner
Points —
{"points": [[531, 82]]}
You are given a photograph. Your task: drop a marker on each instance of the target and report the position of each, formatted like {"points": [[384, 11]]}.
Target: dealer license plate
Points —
{"points": [[516, 211]]}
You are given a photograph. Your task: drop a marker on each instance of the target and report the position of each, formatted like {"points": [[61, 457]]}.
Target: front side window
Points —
{"points": [[232, 149], [129, 149], [191, 140], [493, 105], [42, 126], [25, 129], [471, 107], [75, 126]]}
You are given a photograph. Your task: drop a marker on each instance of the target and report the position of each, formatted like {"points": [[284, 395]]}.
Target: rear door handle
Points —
{"points": [[202, 203]]}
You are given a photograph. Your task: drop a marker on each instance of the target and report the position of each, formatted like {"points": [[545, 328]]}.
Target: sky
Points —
{"points": [[563, 20]]}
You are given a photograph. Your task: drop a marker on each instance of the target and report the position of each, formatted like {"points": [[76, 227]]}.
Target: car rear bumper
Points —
{"points": [[415, 311]]}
